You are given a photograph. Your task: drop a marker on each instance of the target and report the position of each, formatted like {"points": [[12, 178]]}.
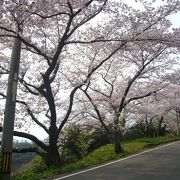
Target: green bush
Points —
{"points": [[76, 141]]}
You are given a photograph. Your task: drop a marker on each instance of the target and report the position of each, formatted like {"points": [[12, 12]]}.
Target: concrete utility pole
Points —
{"points": [[9, 116]]}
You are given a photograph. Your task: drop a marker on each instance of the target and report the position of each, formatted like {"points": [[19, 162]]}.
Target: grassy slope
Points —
{"points": [[36, 170]]}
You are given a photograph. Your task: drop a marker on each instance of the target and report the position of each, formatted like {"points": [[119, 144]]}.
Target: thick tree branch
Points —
{"points": [[70, 107], [51, 103], [30, 137]]}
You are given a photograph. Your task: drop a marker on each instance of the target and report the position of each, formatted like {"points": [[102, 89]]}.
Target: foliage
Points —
{"points": [[77, 141], [133, 132], [98, 156]]}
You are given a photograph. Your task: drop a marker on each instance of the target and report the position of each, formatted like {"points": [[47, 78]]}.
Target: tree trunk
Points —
{"points": [[177, 120], [115, 139], [160, 129], [53, 156], [118, 148]]}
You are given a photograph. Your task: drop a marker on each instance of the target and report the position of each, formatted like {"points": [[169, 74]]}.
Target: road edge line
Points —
{"points": [[115, 161]]}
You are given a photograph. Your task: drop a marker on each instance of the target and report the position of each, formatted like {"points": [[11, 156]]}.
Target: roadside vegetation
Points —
{"points": [[36, 169]]}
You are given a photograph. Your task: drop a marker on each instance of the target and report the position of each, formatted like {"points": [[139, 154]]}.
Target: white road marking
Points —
{"points": [[97, 167]]}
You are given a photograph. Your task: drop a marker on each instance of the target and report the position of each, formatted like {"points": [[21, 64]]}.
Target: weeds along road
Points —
{"points": [[160, 163]]}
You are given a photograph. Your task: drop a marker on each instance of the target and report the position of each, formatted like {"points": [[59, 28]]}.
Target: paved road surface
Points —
{"points": [[158, 164]]}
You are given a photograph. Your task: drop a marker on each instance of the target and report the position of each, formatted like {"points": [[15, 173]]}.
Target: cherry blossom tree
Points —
{"points": [[64, 45], [133, 74], [44, 27]]}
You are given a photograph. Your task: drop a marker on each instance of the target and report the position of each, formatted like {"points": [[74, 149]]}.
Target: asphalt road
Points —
{"points": [[161, 163]]}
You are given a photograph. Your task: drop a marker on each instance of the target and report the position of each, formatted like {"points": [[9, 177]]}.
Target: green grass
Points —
{"points": [[36, 170]]}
